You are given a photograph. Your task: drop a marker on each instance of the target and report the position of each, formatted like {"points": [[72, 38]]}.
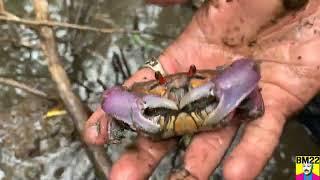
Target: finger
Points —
{"points": [[95, 131], [145, 74], [254, 150], [138, 163], [258, 142], [205, 152], [166, 2]]}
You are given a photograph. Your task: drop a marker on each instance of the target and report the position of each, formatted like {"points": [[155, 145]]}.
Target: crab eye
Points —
{"points": [[192, 70]]}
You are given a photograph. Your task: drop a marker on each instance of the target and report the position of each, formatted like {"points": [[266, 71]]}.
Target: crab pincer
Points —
{"points": [[130, 108], [230, 88]]}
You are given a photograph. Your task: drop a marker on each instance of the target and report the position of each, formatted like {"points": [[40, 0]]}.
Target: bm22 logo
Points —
{"points": [[307, 167]]}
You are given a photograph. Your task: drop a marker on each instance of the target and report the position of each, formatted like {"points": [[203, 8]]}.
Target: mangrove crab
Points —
{"points": [[187, 102]]}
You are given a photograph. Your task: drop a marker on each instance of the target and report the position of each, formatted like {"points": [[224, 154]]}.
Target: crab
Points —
{"points": [[186, 103]]}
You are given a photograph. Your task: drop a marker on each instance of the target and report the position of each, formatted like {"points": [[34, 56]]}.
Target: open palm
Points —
{"points": [[222, 31]]}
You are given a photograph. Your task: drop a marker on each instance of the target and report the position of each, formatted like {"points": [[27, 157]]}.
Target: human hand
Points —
{"points": [[219, 33]]}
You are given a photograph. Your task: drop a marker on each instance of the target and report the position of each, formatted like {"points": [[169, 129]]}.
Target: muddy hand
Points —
{"points": [[219, 33]]}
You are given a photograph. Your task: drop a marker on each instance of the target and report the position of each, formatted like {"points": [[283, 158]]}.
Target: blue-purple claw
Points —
{"points": [[233, 86], [129, 108], [230, 88]]}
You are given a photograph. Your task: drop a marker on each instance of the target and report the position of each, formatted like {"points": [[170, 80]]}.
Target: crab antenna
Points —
{"points": [[192, 70], [159, 77]]}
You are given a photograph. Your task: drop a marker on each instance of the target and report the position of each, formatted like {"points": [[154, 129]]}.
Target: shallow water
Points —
{"points": [[32, 147]]}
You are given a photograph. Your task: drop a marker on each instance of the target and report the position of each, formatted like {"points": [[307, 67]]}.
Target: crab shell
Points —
{"points": [[186, 103]]}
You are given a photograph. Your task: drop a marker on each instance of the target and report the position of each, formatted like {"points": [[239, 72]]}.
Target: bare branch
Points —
{"points": [[72, 102], [2, 9], [60, 24], [4, 12], [12, 18], [20, 85]]}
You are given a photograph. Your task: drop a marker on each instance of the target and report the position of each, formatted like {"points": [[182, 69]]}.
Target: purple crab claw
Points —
{"points": [[233, 86], [228, 89], [129, 108]]}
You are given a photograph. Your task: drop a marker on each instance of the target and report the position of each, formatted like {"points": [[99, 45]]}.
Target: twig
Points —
{"points": [[12, 18], [59, 24], [20, 85], [4, 12], [2, 9], [72, 102]]}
